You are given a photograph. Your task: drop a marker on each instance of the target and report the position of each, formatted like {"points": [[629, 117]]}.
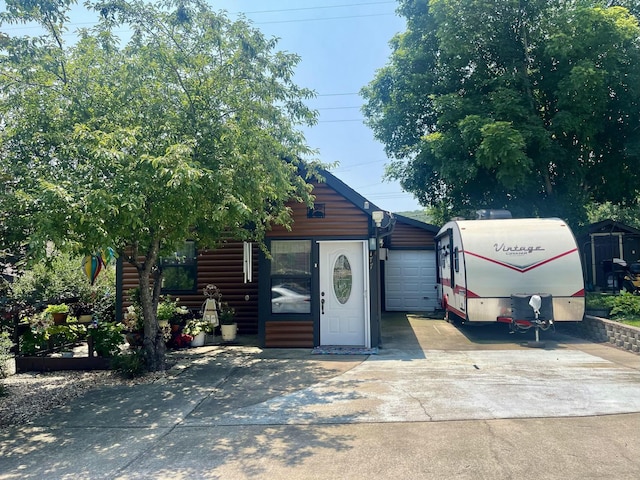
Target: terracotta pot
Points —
{"points": [[59, 318]]}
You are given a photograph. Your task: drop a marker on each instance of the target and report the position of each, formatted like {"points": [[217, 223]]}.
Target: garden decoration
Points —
{"points": [[92, 264]]}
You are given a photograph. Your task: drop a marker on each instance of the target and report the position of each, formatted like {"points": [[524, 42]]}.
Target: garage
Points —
{"points": [[410, 281]]}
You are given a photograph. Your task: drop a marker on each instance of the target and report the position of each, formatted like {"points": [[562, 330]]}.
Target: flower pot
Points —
{"points": [[134, 339], [229, 332], [198, 340], [85, 318], [59, 318]]}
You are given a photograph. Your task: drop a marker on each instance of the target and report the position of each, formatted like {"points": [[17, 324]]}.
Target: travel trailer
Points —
{"points": [[489, 270]]}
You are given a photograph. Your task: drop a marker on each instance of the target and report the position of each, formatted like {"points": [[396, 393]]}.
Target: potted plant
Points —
{"points": [[106, 338], [133, 326], [58, 312], [83, 311], [197, 328], [167, 309], [228, 326]]}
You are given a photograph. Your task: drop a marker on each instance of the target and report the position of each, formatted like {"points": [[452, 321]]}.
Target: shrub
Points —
{"points": [[129, 365], [107, 339], [5, 353], [625, 305], [599, 301]]}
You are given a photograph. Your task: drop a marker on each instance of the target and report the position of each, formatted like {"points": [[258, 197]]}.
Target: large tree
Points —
{"points": [[185, 128], [528, 105]]}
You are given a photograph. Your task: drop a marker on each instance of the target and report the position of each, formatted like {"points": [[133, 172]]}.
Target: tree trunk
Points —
{"points": [[154, 345]]}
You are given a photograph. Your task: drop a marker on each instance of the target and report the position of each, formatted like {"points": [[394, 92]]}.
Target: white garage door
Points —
{"points": [[410, 281]]}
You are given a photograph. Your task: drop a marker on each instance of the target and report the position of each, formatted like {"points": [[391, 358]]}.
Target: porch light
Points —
{"points": [[377, 217]]}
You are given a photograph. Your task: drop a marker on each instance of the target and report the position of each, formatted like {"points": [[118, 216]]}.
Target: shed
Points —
{"points": [[600, 244]]}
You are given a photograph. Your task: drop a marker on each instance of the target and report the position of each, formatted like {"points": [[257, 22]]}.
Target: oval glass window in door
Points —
{"points": [[342, 279]]}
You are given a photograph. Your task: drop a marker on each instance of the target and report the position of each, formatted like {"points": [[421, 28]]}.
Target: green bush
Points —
{"points": [[625, 306], [599, 301], [60, 278], [5, 353], [107, 339], [129, 365], [42, 336]]}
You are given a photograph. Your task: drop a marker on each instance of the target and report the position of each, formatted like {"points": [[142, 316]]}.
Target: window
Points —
{"points": [[456, 259], [180, 270], [291, 276]]}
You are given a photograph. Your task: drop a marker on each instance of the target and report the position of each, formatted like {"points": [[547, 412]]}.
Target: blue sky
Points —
{"points": [[341, 44]]}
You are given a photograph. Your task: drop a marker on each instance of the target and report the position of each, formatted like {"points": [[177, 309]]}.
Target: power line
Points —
{"points": [[337, 108], [336, 94], [318, 8], [326, 18], [340, 121]]}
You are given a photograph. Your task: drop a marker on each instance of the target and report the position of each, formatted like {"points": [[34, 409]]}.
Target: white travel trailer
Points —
{"points": [[488, 270]]}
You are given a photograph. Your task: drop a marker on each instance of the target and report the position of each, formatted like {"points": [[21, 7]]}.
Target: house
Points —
{"points": [[600, 244], [326, 279]]}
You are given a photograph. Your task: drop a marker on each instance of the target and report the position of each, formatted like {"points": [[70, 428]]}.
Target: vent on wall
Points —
{"points": [[316, 212]]}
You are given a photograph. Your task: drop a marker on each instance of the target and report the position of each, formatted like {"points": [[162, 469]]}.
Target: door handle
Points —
{"points": [[322, 305]]}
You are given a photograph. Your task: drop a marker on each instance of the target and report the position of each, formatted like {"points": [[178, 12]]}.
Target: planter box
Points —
{"points": [[49, 364]]}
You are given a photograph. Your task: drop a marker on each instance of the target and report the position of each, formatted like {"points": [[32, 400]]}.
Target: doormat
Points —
{"points": [[338, 350]]}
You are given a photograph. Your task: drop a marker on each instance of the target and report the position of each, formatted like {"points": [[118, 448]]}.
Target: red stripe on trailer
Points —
{"points": [[579, 293], [456, 311], [521, 269]]}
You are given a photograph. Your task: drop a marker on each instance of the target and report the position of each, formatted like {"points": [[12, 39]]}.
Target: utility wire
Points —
{"points": [[318, 8]]}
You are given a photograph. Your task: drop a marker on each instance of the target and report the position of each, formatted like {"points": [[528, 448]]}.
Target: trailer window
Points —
{"points": [[456, 263]]}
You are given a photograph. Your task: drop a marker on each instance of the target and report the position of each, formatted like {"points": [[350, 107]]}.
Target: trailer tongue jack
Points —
{"points": [[521, 325]]}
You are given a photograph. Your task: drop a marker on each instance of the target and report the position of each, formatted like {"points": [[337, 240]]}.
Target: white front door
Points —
{"points": [[344, 294]]}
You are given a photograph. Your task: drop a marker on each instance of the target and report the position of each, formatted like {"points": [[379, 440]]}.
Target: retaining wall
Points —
{"points": [[602, 330]]}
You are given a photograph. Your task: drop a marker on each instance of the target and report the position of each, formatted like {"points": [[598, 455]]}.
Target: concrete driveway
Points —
{"points": [[436, 402]]}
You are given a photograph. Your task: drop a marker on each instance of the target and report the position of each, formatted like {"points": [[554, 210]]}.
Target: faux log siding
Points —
{"points": [[342, 218], [289, 334], [408, 236], [222, 267]]}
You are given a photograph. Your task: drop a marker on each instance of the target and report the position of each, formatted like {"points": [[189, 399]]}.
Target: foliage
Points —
{"points": [[132, 319], [625, 306], [59, 278], [106, 140], [227, 314], [57, 308], [42, 335], [130, 364], [5, 353], [195, 326], [169, 309], [107, 338], [599, 301], [530, 106], [627, 214]]}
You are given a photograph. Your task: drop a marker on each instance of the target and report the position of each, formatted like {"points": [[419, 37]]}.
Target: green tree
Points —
{"points": [[187, 128], [531, 106]]}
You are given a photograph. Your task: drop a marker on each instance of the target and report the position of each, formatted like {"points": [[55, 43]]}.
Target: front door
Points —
{"points": [[344, 294]]}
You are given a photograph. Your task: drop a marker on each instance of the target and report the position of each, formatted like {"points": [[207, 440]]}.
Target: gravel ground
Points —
{"points": [[28, 395]]}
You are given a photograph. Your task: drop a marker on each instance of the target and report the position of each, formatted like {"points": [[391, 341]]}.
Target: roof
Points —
{"points": [[610, 226], [417, 223]]}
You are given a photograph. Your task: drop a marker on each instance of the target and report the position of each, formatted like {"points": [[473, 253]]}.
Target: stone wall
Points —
{"points": [[602, 330]]}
